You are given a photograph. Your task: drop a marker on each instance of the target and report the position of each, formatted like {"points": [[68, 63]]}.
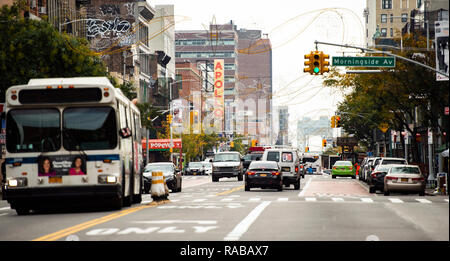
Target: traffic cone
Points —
{"points": [[159, 189]]}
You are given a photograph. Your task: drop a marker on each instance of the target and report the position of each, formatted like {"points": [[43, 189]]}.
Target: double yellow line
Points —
{"points": [[74, 229], [230, 191]]}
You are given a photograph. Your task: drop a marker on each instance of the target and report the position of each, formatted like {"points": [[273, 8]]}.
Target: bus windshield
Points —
{"points": [[33, 130], [89, 128]]}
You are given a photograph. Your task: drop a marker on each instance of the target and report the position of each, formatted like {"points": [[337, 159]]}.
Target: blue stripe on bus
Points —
{"points": [[30, 160]]}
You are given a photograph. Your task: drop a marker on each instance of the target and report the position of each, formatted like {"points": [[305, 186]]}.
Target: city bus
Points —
{"points": [[71, 139]]}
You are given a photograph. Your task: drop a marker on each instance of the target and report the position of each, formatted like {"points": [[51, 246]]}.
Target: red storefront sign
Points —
{"points": [[160, 144]]}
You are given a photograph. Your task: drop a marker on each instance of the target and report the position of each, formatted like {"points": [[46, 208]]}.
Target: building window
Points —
{"points": [[392, 32], [392, 18], [384, 18], [404, 18], [205, 54], [386, 4], [229, 79], [383, 32]]}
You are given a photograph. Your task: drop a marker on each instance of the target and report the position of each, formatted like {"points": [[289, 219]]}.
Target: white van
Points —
{"points": [[288, 161]]}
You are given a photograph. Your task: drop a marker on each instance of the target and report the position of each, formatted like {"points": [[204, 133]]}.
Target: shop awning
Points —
{"points": [[160, 144]]}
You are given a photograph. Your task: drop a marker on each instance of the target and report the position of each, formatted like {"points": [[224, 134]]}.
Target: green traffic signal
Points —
{"points": [[316, 70]]}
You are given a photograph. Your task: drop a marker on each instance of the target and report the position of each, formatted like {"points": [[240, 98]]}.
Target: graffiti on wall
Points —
{"points": [[111, 24]]}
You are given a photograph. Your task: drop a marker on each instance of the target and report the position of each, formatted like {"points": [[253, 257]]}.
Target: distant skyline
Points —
{"points": [[292, 27]]}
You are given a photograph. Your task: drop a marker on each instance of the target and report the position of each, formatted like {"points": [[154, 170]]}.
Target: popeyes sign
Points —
{"points": [[161, 144], [218, 90]]}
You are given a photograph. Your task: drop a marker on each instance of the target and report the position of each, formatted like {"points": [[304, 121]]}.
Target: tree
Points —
{"points": [[35, 49], [392, 96]]}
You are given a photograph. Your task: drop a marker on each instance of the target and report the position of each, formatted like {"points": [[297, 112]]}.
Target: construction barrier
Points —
{"points": [[159, 189]]}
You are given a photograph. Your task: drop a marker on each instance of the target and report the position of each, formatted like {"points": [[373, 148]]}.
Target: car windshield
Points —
{"points": [[387, 162], [89, 128], [159, 167], [226, 157], [343, 163], [405, 170], [263, 165], [382, 168], [309, 160], [273, 156], [33, 130], [195, 165]]}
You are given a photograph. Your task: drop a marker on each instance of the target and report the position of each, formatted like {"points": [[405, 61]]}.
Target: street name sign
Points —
{"points": [[387, 62]]}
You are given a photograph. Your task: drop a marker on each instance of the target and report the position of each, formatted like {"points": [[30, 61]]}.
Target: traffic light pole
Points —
{"points": [[386, 53]]}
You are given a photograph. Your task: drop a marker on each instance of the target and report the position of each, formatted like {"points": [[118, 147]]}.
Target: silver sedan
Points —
{"points": [[404, 178]]}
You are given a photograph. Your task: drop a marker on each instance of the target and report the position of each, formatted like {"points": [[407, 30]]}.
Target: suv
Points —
{"points": [[249, 158], [289, 163], [227, 164], [195, 168]]}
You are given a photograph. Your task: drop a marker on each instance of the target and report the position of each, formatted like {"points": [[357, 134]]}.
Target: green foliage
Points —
{"points": [[35, 49]]}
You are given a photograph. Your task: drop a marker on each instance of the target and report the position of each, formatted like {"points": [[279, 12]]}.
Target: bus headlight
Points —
{"points": [[17, 182], [107, 179]]}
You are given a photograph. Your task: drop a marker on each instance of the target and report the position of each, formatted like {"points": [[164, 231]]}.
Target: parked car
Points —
{"points": [[404, 178], [207, 167], [376, 178], [195, 168], [312, 163], [249, 158], [289, 162], [264, 174], [367, 168], [343, 168], [171, 175], [227, 164], [389, 161]]}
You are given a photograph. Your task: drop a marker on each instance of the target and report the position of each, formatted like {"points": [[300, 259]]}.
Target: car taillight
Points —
{"points": [[351, 168], [250, 173], [301, 166], [296, 169], [275, 173], [374, 175], [334, 168], [391, 178], [418, 179]]}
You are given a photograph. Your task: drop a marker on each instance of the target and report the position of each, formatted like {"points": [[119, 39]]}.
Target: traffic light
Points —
{"points": [[324, 63], [254, 143], [309, 63], [338, 121], [324, 143], [316, 63], [169, 118], [333, 121], [306, 149], [232, 144]]}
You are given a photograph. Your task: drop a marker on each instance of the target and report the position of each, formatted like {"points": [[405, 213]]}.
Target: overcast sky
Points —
{"points": [[292, 26]]}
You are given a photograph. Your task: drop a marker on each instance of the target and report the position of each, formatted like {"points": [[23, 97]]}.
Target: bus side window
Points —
{"points": [[138, 127]]}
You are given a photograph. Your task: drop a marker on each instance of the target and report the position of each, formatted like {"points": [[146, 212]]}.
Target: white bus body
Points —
{"points": [[86, 130]]}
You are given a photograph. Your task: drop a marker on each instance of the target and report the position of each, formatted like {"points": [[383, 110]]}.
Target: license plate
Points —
{"points": [[285, 169], [404, 180], [54, 179], [263, 175]]}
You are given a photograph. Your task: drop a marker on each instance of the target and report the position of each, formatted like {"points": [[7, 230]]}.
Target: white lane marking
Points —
{"points": [[234, 196], [244, 225], [227, 199], [337, 199], [254, 199], [311, 199], [5, 208], [200, 222], [174, 200], [304, 188], [367, 200], [446, 200], [199, 200], [283, 199], [395, 200], [422, 200]]}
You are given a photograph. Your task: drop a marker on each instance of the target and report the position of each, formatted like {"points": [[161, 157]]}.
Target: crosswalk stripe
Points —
{"points": [[227, 199], [255, 199], [282, 199], [422, 200], [337, 199], [310, 199], [367, 200], [199, 200], [395, 200]]}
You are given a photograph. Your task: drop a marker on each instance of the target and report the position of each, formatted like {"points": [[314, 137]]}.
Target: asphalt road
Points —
{"points": [[324, 209]]}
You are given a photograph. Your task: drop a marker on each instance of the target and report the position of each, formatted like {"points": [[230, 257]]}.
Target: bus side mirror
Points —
{"points": [[125, 132]]}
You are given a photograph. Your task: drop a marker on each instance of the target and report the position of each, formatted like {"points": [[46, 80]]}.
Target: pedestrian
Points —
{"points": [[357, 168]]}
